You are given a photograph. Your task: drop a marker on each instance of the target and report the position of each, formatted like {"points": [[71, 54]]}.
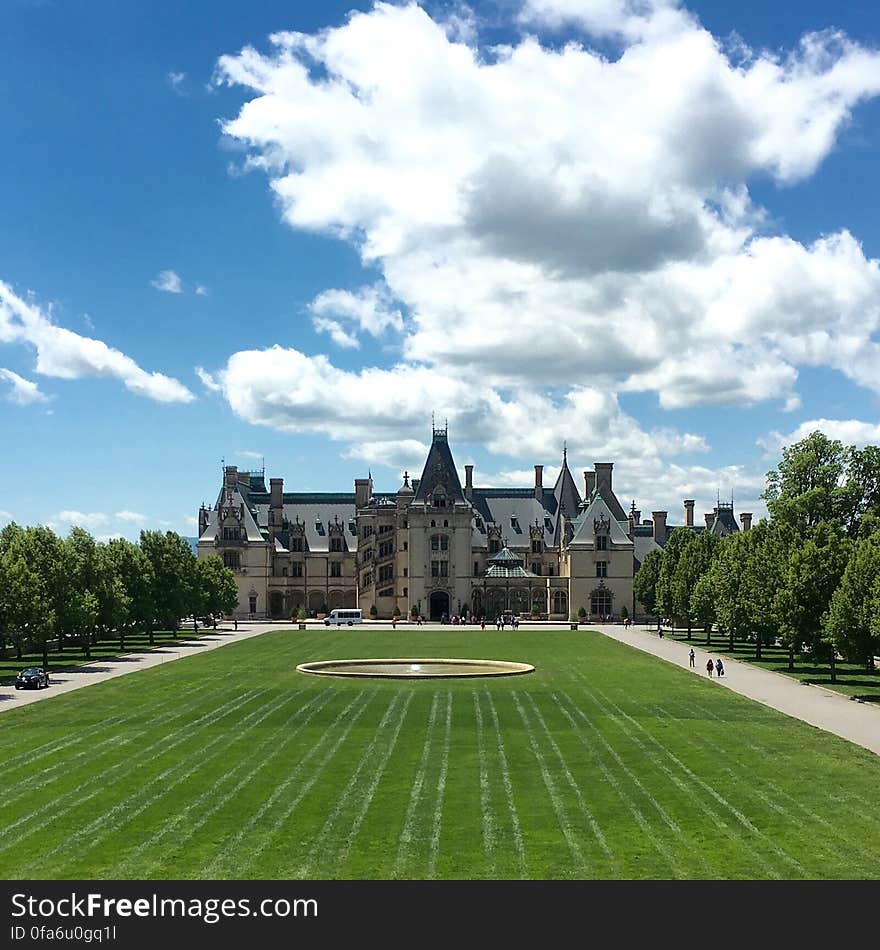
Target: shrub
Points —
{"points": [[396, 611], [414, 611], [536, 610], [373, 612], [301, 614], [624, 613], [582, 613]]}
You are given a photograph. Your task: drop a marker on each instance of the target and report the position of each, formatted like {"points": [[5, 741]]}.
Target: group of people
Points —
{"points": [[712, 666]]}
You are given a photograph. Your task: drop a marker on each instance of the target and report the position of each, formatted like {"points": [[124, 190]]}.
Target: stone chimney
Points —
{"points": [[710, 518], [745, 518], [689, 512], [603, 475], [589, 484], [363, 492], [469, 482], [231, 478], [539, 482], [659, 526], [276, 489], [637, 517], [415, 485]]}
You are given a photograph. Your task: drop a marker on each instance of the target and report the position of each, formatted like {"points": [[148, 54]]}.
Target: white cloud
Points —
{"points": [[132, 516], [177, 82], [848, 431], [201, 290], [208, 380], [67, 355], [552, 217], [168, 281], [191, 522], [23, 391], [79, 518], [338, 334], [248, 454]]}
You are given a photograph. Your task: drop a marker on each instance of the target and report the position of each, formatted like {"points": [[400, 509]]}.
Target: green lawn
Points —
{"points": [[604, 763], [852, 679]]}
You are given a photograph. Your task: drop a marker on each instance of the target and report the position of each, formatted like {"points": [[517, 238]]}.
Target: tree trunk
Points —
{"points": [[708, 634], [121, 639], [85, 646], [150, 631], [758, 645], [731, 639], [833, 667], [45, 654], [791, 657], [689, 628]]}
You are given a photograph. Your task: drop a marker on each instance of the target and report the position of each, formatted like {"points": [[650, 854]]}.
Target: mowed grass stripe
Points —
{"points": [[407, 834], [655, 841], [329, 845], [764, 867], [437, 822], [35, 781], [125, 812], [571, 839], [97, 778], [512, 812], [755, 833], [259, 835], [193, 815], [487, 813]]}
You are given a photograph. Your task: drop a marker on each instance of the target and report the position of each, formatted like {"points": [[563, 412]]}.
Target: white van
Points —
{"points": [[344, 616]]}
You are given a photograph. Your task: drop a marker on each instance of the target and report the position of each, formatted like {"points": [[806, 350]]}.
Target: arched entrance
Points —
{"points": [[276, 605], [439, 604]]}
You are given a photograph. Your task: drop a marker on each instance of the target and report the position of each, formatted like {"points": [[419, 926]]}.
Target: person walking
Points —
{"points": [[692, 657], [709, 667], [719, 667]]}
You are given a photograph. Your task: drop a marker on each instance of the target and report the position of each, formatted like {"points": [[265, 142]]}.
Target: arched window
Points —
{"points": [[600, 603], [560, 602]]}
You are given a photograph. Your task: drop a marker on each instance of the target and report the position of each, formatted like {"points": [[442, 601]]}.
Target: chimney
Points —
{"points": [[689, 512], [603, 475], [710, 518], [231, 479], [276, 489], [468, 482], [203, 520], [362, 492], [539, 482], [637, 516], [659, 526], [589, 484], [746, 518], [415, 485]]}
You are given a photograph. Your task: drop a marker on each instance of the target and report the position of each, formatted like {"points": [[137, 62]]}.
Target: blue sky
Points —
{"points": [[646, 229]]}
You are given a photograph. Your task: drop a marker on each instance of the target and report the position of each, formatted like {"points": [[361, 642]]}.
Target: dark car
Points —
{"points": [[34, 677]]}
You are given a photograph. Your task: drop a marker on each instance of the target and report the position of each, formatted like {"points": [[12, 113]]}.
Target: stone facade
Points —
{"points": [[434, 544]]}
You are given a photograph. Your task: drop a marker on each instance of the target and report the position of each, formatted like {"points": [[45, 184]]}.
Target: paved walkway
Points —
{"points": [[820, 707], [100, 670]]}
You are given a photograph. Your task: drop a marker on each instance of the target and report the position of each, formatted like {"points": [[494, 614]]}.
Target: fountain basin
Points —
{"points": [[420, 668]]}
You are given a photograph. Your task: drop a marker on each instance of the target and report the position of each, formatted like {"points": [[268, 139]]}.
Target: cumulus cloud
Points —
{"points": [[201, 290], [67, 355], [848, 431], [168, 281], [208, 380], [132, 516], [23, 391], [547, 217], [79, 518], [177, 82]]}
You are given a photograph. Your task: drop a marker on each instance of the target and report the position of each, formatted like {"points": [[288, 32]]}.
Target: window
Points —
{"points": [[439, 542], [368, 530], [406, 572], [336, 544], [406, 545], [406, 592], [368, 555], [560, 602], [385, 528], [336, 569], [284, 572], [386, 548], [296, 569], [404, 522], [445, 523], [600, 603], [368, 578], [252, 604], [439, 501], [296, 544], [232, 534], [232, 559], [386, 593], [476, 568], [536, 567], [601, 568], [494, 546], [386, 573], [439, 569], [550, 569], [536, 547], [601, 542]]}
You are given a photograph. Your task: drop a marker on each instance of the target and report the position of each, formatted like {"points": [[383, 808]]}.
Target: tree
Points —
{"points": [[214, 588], [851, 626], [702, 605], [810, 578], [645, 580], [695, 559], [134, 589], [727, 576], [767, 548], [26, 604], [173, 564], [672, 550]]}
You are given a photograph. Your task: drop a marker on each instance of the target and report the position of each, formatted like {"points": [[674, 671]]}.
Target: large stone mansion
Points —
{"points": [[436, 545]]}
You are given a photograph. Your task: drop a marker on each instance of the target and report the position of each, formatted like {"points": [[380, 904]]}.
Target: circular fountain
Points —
{"points": [[394, 668]]}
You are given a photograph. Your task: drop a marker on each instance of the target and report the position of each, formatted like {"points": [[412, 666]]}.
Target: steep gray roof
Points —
{"points": [[316, 518], [566, 496], [642, 544], [514, 510], [584, 528], [439, 470]]}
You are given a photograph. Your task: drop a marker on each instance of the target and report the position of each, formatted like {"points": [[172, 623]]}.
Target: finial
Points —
{"points": [[565, 452], [406, 479]]}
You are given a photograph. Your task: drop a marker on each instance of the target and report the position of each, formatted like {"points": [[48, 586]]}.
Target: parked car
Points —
{"points": [[34, 677]]}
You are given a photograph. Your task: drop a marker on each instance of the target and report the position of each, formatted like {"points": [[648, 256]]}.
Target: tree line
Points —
{"points": [[79, 590], [808, 576]]}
